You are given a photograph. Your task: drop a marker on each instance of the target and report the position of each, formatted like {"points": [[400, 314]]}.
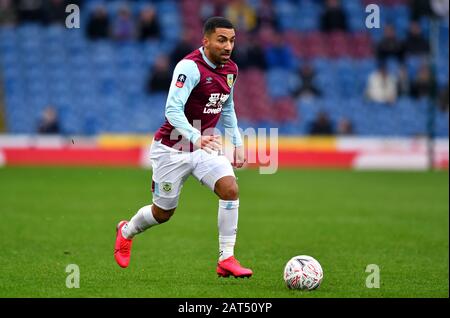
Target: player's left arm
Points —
{"points": [[230, 124]]}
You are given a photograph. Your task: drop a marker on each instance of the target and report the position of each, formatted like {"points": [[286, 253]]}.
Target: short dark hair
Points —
{"points": [[216, 22]]}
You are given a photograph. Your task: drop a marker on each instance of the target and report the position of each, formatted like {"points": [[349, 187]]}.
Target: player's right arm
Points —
{"points": [[185, 77]]}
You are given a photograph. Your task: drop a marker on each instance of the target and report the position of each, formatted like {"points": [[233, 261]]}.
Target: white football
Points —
{"points": [[303, 272]]}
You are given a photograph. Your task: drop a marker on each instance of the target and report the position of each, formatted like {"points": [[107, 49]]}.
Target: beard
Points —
{"points": [[221, 57]]}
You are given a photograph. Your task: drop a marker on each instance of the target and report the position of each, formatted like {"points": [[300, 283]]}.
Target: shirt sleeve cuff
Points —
{"points": [[195, 135]]}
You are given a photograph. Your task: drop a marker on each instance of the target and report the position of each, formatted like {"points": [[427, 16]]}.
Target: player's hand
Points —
{"points": [[210, 143], [239, 157]]}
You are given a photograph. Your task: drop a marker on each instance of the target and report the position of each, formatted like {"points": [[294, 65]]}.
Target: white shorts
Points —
{"points": [[171, 168]]}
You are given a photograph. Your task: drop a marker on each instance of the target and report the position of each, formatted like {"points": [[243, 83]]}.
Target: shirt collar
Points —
{"points": [[206, 59]]}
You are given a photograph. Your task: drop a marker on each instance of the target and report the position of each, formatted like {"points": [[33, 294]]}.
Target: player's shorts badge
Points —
{"points": [[180, 81], [166, 186], [230, 79]]}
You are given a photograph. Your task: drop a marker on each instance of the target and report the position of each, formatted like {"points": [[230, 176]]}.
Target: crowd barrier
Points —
{"points": [[293, 152]]}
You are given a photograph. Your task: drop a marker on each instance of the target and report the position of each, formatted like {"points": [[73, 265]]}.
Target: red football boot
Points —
{"points": [[122, 250], [231, 266]]}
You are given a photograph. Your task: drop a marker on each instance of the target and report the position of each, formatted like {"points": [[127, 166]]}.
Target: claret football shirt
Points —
{"points": [[200, 92]]}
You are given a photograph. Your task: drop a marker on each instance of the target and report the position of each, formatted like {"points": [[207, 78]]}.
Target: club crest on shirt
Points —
{"points": [[230, 79], [166, 186], [180, 81]]}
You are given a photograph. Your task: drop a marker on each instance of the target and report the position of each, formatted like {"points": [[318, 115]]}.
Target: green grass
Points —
{"points": [[52, 217]]}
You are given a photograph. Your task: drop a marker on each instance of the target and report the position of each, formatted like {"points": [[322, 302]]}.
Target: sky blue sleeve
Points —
{"points": [[178, 97], [230, 121]]}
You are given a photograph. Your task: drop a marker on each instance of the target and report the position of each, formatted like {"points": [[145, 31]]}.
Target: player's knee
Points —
{"points": [[226, 188], [231, 192], [162, 215]]}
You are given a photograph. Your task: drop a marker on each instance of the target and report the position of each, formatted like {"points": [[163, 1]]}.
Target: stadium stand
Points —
{"points": [[100, 85]]}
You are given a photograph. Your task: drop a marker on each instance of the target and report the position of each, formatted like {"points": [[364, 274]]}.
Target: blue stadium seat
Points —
{"points": [[280, 82]]}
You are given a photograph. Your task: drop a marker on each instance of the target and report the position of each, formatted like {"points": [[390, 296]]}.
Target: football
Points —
{"points": [[303, 272]]}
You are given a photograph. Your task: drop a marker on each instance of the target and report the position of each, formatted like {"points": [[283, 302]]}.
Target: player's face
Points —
{"points": [[220, 44]]}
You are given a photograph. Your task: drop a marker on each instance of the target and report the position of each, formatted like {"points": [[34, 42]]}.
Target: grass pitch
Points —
{"points": [[52, 217]]}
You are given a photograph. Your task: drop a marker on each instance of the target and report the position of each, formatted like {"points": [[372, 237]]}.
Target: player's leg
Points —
{"points": [[217, 174], [170, 171], [165, 201], [126, 230], [226, 189], [145, 218]]}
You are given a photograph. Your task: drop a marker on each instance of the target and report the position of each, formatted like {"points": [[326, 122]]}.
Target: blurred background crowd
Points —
{"points": [[305, 66]]}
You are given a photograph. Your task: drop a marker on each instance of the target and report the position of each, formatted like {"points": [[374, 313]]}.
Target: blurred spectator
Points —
{"points": [[123, 26], [148, 24], [381, 86], [266, 15], [79, 3], [212, 9], [415, 43], [443, 99], [390, 45], [419, 8], [159, 80], [55, 12], [255, 54], [333, 18], [241, 15], [403, 82], [49, 122], [321, 125], [423, 84], [98, 26], [266, 36], [183, 48], [307, 87], [279, 54], [7, 13], [30, 10], [239, 55], [250, 54], [345, 127]]}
